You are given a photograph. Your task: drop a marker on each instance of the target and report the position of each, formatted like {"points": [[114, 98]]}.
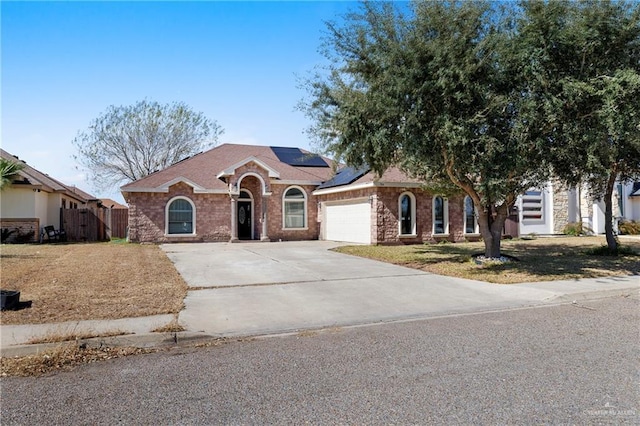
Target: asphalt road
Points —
{"points": [[577, 364]]}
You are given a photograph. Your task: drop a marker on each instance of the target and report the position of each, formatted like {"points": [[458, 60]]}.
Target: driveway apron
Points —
{"points": [[249, 289]]}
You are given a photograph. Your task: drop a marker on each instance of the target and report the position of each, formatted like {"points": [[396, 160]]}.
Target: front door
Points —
{"points": [[244, 220]]}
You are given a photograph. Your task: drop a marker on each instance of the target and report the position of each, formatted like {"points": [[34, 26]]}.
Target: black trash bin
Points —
{"points": [[10, 299]]}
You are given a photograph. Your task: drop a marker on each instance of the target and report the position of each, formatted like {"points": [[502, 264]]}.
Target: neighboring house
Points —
{"points": [[34, 200], [550, 209], [243, 192], [112, 204]]}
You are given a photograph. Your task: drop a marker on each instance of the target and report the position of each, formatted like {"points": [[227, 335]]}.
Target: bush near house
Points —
{"points": [[576, 229], [629, 227]]}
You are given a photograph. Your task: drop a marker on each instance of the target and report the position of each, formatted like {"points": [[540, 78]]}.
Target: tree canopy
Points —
{"points": [[437, 91], [587, 74], [126, 143], [485, 98]]}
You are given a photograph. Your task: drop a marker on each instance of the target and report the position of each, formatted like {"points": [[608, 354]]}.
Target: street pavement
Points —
{"points": [[250, 289], [569, 364]]}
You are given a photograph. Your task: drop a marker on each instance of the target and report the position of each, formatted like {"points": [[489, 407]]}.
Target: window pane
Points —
{"points": [[294, 193], [469, 216], [180, 217], [406, 221], [294, 214], [438, 215], [532, 205]]}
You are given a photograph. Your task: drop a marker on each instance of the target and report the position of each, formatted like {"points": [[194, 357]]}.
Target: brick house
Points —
{"points": [[243, 192]]}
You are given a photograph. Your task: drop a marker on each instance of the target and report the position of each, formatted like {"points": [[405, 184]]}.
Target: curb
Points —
{"points": [[594, 295], [182, 338], [147, 340]]}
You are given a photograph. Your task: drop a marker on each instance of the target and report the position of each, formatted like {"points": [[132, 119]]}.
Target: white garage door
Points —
{"points": [[349, 221]]}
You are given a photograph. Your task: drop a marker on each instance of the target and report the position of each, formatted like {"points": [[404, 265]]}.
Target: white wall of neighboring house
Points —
{"points": [[535, 210], [41, 210], [18, 203], [27, 203], [630, 205], [53, 210], [597, 219], [538, 215]]}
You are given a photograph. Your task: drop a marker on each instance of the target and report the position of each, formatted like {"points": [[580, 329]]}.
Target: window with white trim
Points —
{"points": [[407, 214], [440, 215], [180, 216], [532, 206], [294, 208], [470, 217]]}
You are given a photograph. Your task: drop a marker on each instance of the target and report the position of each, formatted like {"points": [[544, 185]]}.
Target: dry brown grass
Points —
{"points": [[63, 357], [69, 337], [73, 282], [542, 259], [172, 327]]}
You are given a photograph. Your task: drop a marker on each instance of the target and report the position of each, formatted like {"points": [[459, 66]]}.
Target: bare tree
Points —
{"points": [[127, 143]]}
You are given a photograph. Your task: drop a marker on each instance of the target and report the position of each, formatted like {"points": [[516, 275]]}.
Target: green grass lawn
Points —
{"points": [[542, 259]]}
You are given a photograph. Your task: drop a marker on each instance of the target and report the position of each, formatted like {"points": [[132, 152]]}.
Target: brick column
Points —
{"points": [[234, 218], [265, 203]]}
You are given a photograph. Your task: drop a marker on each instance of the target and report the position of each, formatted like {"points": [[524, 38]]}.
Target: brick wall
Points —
{"points": [[22, 230], [147, 216], [384, 220], [275, 221], [213, 214]]}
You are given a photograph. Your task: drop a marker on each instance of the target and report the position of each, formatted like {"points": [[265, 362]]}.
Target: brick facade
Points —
{"points": [[385, 211], [21, 230], [214, 221]]}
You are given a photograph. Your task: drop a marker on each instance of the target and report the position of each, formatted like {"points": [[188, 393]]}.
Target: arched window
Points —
{"points": [[294, 208], [407, 214], [180, 216], [470, 219], [440, 215]]}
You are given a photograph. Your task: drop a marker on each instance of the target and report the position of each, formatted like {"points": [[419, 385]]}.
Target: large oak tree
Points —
{"points": [[438, 90], [584, 66]]}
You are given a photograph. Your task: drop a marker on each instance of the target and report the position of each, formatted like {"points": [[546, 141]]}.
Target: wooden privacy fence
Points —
{"points": [[119, 222], [94, 224]]}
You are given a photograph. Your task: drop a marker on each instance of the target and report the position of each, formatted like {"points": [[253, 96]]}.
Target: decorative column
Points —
{"points": [[234, 219], [265, 219]]}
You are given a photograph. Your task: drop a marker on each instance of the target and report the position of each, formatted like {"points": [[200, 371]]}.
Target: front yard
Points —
{"points": [[541, 259], [72, 282]]}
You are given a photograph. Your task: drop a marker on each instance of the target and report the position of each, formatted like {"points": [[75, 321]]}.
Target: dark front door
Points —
{"points": [[244, 220]]}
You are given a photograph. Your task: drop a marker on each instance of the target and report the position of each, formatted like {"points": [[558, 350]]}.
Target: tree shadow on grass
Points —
{"points": [[557, 260]]}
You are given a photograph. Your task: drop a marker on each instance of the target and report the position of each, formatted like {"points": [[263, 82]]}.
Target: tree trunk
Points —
{"points": [[612, 243], [491, 230]]}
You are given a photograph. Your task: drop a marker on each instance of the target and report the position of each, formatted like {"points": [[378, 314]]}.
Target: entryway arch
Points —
{"points": [[245, 215]]}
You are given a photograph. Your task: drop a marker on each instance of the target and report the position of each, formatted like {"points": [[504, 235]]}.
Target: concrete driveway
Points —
{"points": [[265, 288]]}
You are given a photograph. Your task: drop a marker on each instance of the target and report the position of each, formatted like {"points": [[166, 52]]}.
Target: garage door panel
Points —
{"points": [[350, 222]]}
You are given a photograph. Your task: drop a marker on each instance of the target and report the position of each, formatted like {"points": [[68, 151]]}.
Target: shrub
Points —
{"points": [[576, 229], [629, 227]]}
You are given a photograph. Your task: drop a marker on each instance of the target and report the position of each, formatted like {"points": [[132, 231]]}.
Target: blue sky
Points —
{"points": [[239, 63]]}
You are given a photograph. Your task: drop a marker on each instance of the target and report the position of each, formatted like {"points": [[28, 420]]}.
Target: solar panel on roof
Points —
{"points": [[345, 176], [295, 157]]}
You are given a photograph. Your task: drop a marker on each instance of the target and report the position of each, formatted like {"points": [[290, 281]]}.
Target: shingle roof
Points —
{"points": [[203, 169], [112, 204], [43, 181]]}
